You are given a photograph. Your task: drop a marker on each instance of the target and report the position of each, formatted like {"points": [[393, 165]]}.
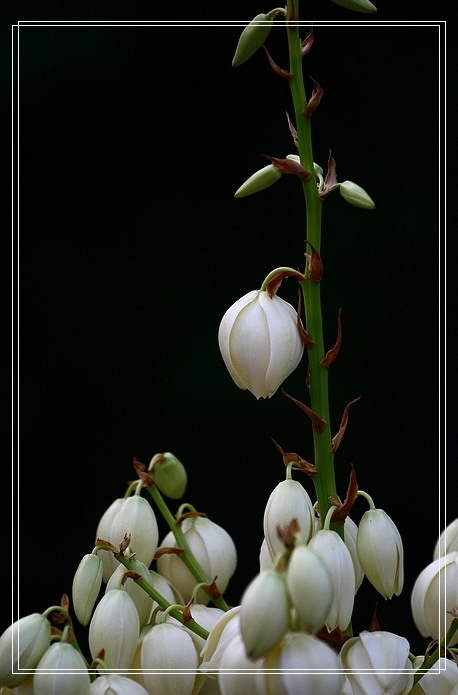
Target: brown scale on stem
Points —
{"points": [[318, 423], [331, 354]]}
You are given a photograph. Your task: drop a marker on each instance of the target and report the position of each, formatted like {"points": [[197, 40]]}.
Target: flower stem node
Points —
{"points": [[264, 613], [310, 588], [355, 195], [253, 36], [86, 586], [260, 342], [169, 475], [21, 647], [61, 671]]}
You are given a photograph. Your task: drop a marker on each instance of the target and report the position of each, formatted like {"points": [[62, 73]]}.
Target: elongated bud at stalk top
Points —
{"points": [[264, 613], [21, 647], [86, 586], [261, 179], [355, 195], [252, 38], [169, 475], [61, 671], [309, 587], [364, 6]]}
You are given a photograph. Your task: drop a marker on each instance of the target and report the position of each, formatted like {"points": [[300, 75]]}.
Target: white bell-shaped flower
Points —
{"points": [[136, 518], [213, 549], [380, 552], [116, 684], [61, 671], [447, 541], [22, 645], [264, 613], [115, 628], [317, 666], [260, 342], [86, 586], [288, 501], [331, 549], [378, 663], [434, 593], [238, 673], [310, 588]]}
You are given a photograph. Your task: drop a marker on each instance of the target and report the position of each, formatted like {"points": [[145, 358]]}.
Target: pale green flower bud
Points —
{"points": [[213, 549], [331, 549], [115, 684], [434, 593], [355, 195], [380, 552], [115, 628], [447, 541], [289, 500], [21, 647], [261, 179], [264, 613], [310, 588], [364, 6], [136, 518], [86, 586], [260, 342], [307, 654], [441, 679], [252, 38], [167, 646], [61, 671], [377, 656], [169, 475]]}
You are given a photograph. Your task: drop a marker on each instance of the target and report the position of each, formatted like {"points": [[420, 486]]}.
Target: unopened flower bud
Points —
{"points": [[135, 518], [350, 533], [86, 586], [380, 552], [260, 342], [261, 179], [264, 613], [288, 501], [21, 647], [252, 38], [169, 475], [309, 587], [115, 684], [104, 532], [169, 647], [61, 671], [115, 628], [447, 541], [355, 195], [435, 592], [364, 6], [441, 679]]}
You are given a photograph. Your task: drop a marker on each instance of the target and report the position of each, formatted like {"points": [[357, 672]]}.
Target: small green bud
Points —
{"points": [[252, 38], [355, 195], [357, 5], [261, 179], [169, 475]]}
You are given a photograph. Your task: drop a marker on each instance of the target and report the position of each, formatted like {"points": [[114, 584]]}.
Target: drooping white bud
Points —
{"points": [[61, 671], [21, 647], [86, 586], [310, 587], [380, 552], [136, 518], [115, 628], [288, 501]]}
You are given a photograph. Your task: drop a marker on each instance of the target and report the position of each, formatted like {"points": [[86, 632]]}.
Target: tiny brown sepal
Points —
{"points": [[331, 177], [315, 264], [318, 423], [374, 625], [342, 512], [293, 131], [298, 462], [307, 43], [145, 477], [130, 574], [278, 71], [331, 354], [289, 166], [304, 336], [287, 534], [314, 100], [336, 638], [274, 284], [189, 515], [167, 551], [187, 611], [213, 589], [343, 426]]}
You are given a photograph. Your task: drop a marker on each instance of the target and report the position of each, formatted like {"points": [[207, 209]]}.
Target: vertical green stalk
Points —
{"points": [[325, 485]]}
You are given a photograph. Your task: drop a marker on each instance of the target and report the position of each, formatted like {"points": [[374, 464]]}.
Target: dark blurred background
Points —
{"points": [[131, 246]]}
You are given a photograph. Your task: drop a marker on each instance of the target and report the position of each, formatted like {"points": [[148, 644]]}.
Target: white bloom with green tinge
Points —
{"points": [[260, 342]]}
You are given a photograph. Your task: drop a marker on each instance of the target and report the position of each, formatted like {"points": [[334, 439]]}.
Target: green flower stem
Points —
{"points": [[431, 660], [325, 485], [187, 555]]}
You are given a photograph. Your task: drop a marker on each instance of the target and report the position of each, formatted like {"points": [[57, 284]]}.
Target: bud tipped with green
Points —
{"points": [[355, 195], [357, 5], [86, 586], [252, 38], [169, 475], [261, 179]]}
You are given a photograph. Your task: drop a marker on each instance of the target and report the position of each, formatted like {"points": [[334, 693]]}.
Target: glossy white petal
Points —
{"points": [[115, 628], [310, 588], [380, 552], [136, 518], [168, 647], [447, 541], [115, 684], [264, 613]]}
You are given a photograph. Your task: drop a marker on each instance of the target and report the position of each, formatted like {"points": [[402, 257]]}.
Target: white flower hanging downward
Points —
{"points": [[259, 339]]}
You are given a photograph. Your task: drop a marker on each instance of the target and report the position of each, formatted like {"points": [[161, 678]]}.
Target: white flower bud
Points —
{"points": [[331, 549], [143, 602], [220, 635], [115, 684], [434, 593], [355, 195], [310, 588], [380, 552], [264, 613], [169, 647], [372, 660], [86, 586], [260, 342], [115, 628], [136, 518], [307, 654], [213, 549], [265, 559], [441, 679], [104, 532], [61, 671], [238, 673], [288, 500], [261, 179], [21, 647], [350, 533], [364, 6], [447, 541]]}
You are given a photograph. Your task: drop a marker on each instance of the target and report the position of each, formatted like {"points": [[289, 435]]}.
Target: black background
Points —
{"points": [[131, 247]]}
